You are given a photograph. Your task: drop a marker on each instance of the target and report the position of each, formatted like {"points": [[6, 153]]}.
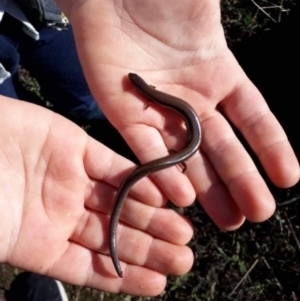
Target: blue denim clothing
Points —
{"points": [[53, 61]]}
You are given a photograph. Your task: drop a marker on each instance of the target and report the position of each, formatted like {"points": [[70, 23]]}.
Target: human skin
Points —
{"points": [[181, 49], [57, 186]]}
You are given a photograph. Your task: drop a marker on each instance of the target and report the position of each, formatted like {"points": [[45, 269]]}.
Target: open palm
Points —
{"points": [[180, 48], [57, 188]]}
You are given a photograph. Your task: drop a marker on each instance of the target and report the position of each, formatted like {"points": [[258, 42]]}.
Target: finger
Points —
{"points": [[172, 181], [161, 223], [135, 247], [236, 169], [247, 109], [213, 194], [80, 266], [152, 253], [105, 166]]}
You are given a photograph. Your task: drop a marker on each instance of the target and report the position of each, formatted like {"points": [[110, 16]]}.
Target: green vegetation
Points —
{"points": [[255, 262], [244, 18]]}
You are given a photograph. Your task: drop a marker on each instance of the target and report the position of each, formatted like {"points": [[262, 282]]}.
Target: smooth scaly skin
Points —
{"points": [[193, 142]]}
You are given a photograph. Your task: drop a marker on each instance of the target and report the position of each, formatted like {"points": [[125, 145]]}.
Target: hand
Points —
{"points": [[57, 186], [181, 49]]}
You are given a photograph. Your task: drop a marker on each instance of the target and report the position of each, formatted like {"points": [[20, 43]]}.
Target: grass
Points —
{"points": [[255, 262], [245, 18]]}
